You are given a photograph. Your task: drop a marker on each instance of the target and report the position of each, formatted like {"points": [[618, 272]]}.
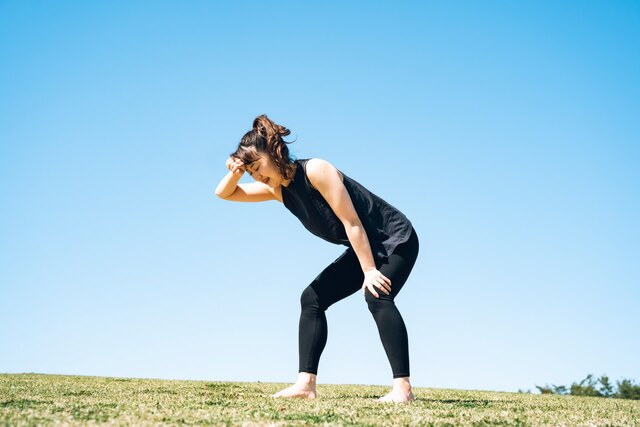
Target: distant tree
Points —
{"points": [[544, 389], [560, 389], [628, 390], [606, 389], [553, 389], [588, 387]]}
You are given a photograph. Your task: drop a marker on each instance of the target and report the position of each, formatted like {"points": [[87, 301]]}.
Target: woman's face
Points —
{"points": [[264, 170]]}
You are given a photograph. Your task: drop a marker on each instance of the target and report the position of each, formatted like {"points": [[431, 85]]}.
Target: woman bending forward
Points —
{"points": [[382, 246]]}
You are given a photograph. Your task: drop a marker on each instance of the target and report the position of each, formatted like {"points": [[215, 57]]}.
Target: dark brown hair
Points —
{"points": [[266, 138]]}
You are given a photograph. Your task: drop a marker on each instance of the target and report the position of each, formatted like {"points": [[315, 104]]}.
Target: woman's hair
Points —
{"points": [[266, 138]]}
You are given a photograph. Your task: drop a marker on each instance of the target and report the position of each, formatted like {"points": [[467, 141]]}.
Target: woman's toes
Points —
{"points": [[397, 397], [385, 398], [295, 391]]}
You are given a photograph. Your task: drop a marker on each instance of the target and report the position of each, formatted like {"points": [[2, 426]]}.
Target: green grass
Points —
{"points": [[30, 399]]}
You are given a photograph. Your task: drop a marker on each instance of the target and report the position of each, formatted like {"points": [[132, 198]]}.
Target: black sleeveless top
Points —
{"points": [[385, 225]]}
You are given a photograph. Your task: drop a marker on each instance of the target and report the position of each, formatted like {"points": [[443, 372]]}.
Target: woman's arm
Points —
{"points": [[326, 179], [229, 189], [360, 243], [228, 184]]}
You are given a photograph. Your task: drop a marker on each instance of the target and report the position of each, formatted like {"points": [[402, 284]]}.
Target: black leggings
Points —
{"points": [[344, 277]]}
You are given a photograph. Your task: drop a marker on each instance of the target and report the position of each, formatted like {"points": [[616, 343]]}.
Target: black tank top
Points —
{"points": [[385, 225]]}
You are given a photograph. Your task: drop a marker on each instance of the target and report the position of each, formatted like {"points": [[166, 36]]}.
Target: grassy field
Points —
{"points": [[29, 399]]}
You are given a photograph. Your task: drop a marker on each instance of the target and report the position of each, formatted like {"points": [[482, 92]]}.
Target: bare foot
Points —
{"points": [[401, 391], [397, 396], [304, 387], [297, 390]]}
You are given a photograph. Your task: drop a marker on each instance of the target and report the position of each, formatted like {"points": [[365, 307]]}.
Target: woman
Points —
{"points": [[382, 246]]}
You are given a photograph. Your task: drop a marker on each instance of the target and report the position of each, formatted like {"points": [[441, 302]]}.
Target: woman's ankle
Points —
{"points": [[307, 379], [402, 383]]}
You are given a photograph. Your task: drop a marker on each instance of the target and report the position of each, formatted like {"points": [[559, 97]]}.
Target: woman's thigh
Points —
{"points": [[338, 280], [399, 265], [344, 276]]}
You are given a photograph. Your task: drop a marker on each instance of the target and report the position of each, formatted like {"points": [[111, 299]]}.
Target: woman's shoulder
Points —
{"points": [[318, 169], [317, 163]]}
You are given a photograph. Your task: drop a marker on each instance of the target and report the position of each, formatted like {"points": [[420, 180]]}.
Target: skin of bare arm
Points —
{"points": [[229, 182]]}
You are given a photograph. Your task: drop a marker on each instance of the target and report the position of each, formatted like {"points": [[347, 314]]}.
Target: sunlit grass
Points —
{"points": [[30, 399]]}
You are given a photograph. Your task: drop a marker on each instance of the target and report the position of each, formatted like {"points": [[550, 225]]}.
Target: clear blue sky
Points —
{"points": [[507, 132]]}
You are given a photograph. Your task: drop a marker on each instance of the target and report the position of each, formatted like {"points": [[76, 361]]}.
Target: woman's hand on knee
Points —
{"points": [[375, 279]]}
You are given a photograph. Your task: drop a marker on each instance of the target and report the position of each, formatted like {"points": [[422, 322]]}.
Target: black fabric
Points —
{"points": [[342, 278], [386, 226]]}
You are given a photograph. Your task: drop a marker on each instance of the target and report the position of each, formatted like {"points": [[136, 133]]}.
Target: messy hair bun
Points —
{"points": [[266, 138]]}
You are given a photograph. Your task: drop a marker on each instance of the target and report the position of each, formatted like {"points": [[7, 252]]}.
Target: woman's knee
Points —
{"points": [[374, 303], [309, 298]]}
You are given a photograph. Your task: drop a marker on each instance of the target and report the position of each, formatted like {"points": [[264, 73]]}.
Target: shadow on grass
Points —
{"points": [[465, 403], [78, 393]]}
